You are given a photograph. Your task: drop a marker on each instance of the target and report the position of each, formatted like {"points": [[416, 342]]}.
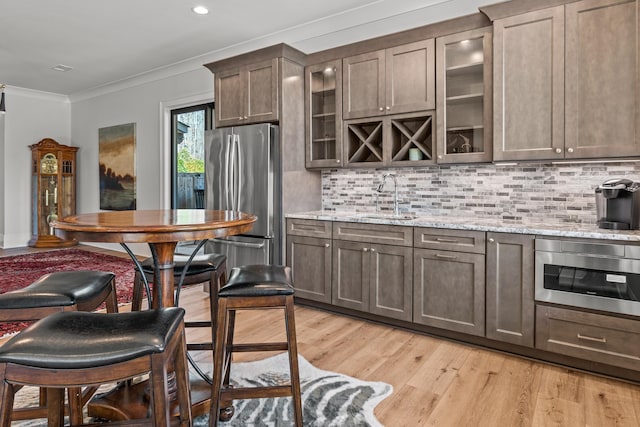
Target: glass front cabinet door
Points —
{"points": [[53, 191], [463, 97], [323, 110]]}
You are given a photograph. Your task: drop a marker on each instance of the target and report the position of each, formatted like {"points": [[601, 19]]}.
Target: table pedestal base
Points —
{"points": [[129, 402]]}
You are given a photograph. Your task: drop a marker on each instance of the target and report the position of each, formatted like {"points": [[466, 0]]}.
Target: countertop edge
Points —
{"points": [[576, 230]]}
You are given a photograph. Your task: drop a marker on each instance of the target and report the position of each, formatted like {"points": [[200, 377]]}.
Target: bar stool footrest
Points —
{"points": [[200, 346], [197, 324], [255, 392], [251, 347]]}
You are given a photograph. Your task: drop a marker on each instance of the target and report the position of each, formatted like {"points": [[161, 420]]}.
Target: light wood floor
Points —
{"points": [[438, 382]]}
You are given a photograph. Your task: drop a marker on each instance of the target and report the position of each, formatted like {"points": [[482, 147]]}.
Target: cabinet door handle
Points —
{"points": [[388, 108], [446, 256], [491, 240], [443, 240], [373, 249], [381, 109], [569, 150], [326, 245], [365, 249], [558, 150], [594, 339], [338, 161]]}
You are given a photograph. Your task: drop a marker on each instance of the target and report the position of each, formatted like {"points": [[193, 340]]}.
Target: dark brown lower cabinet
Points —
{"points": [[310, 261], [448, 290], [309, 256], [605, 339], [373, 278], [510, 288]]}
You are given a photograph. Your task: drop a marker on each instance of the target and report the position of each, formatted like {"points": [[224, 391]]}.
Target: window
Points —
{"points": [[187, 155]]}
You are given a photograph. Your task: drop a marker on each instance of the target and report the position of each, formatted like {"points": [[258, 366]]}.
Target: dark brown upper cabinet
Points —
{"points": [[528, 82], [566, 82], [396, 80], [259, 87], [323, 114], [247, 94], [464, 97]]}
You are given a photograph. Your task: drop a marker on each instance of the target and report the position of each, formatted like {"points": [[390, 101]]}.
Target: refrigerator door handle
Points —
{"points": [[241, 244], [229, 169], [239, 172], [233, 172]]}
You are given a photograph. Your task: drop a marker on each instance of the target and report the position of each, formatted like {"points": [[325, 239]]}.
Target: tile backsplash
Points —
{"points": [[561, 192]]}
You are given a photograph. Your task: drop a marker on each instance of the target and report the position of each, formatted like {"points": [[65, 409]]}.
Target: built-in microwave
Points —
{"points": [[597, 276]]}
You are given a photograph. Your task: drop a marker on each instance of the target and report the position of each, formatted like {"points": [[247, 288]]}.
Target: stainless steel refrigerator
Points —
{"points": [[243, 173]]}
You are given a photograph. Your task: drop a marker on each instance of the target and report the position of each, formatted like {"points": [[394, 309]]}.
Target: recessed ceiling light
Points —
{"points": [[200, 10], [62, 68]]}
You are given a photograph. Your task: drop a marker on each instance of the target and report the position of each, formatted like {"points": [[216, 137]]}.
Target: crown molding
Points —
{"points": [[317, 35], [36, 94]]}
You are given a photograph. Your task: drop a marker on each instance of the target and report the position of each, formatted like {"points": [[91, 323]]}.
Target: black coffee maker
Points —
{"points": [[618, 204]]}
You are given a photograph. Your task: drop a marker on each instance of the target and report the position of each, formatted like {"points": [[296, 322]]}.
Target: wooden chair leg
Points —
{"points": [[219, 354], [55, 407], [112, 299], [293, 360], [7, 392], [138, 286], [75, 405], [230, 330], [184, 396], [159, 390]]}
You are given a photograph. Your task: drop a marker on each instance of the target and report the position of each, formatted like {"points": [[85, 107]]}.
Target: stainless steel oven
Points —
{"points": [[598, 276]]}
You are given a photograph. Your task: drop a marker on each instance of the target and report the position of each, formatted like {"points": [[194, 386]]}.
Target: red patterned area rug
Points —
{"points": [[19, 271]]}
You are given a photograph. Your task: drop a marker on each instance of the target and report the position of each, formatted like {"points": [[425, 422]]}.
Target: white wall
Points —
{"points": [[30, 117], [144, 105]]}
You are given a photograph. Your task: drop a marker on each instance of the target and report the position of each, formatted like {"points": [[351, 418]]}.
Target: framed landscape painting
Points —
{"points": [[117, 149]]}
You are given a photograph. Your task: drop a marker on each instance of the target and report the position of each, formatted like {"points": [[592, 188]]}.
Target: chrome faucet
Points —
{"points": [[396, 210]]}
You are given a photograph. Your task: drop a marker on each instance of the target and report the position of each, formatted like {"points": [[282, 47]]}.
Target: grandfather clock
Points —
{"points": [[53, 190]]}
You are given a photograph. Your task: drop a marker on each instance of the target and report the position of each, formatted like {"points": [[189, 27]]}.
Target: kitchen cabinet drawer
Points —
{"points": [[383, 234], [604, 339], [450, 240], [309, 228]]}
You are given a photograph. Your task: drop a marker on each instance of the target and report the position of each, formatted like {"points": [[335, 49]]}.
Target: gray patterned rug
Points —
{"points": [[329, 399]]}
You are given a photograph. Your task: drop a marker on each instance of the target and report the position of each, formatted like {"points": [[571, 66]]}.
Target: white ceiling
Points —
{"points": [[110, 41]]}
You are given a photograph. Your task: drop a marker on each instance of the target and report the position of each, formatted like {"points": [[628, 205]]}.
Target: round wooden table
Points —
{"points": [[161, 230]]}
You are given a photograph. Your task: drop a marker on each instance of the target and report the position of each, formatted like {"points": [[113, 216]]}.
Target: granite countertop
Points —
{"points": [[559, 229]]}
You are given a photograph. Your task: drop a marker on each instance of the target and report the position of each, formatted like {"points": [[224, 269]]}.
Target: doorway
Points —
{"points": [[188, 127]]}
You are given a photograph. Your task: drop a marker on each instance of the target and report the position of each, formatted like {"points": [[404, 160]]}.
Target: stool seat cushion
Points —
{"points": [[76, 339], [199, 264], [258, 280], [59, 289]]}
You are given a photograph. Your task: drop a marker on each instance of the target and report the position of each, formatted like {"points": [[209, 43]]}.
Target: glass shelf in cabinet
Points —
{"points": [[323, 115], [459, 99], [461, 128], [324, 92], [465, 69]]}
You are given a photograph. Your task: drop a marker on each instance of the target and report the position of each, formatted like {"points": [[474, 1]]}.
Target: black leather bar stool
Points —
{"points": [[84, 290], [253, 287], [75, 349], [209, 269]]}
